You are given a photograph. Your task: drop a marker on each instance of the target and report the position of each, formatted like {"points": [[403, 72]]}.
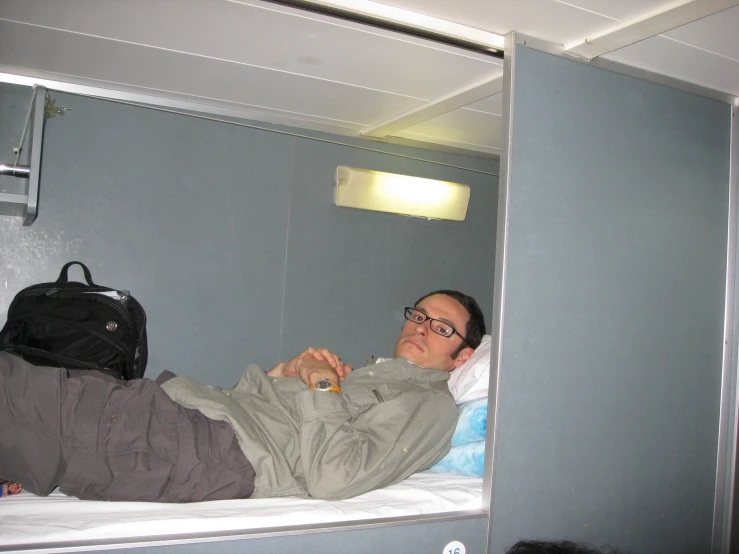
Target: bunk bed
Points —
{"points": [[29, 522], [61, 523]]}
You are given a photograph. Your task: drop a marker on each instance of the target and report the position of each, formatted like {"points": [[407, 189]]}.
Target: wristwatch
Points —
{"points": [[324, 385]]}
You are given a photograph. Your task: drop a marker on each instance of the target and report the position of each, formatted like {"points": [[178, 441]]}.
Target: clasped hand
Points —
{"points": [[311, 365]]}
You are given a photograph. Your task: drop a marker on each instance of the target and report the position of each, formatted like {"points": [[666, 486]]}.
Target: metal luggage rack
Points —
{"points": [[25, 204]]}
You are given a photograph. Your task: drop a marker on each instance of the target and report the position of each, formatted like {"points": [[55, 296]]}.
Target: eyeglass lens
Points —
{"points": [[437, 326]]}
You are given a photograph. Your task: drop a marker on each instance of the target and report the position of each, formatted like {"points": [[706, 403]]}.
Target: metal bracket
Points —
{"points": [[26, 205]]}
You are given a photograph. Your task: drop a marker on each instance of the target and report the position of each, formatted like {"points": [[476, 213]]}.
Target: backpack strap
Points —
{"points": [[63, 277]]}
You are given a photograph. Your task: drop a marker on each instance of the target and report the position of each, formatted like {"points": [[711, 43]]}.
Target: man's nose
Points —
{"points": [[422, 329]]}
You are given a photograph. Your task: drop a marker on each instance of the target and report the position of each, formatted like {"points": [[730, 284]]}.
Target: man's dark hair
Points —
{"points": [[554, 547], [475, 325]]}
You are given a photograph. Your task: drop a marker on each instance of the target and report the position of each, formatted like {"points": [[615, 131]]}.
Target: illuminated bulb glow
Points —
{"points": [[420, 21], [401, 194]]}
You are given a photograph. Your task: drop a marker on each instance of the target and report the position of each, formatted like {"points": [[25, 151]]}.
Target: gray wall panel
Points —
{"points": [[611, 355], [167, 206], [227, 233]]}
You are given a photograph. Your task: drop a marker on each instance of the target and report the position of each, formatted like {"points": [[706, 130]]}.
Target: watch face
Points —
{"points": [[323, 384]]}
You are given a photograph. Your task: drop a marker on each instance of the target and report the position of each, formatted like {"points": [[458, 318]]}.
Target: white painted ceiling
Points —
{"points": [[257, 60]]}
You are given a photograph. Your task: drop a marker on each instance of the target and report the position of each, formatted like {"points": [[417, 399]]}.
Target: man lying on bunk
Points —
{"points": [[308, 427]]}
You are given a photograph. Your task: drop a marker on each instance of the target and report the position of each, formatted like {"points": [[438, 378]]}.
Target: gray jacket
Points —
{"points": [[391, 419]]}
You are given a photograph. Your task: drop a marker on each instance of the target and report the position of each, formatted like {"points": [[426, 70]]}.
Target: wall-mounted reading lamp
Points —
{"points": [[400, 194], [25, 204]]}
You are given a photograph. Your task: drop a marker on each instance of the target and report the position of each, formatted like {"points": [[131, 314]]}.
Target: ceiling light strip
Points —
{"points": [[403, 21]]}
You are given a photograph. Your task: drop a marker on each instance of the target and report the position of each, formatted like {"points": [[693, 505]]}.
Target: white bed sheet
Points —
{"points": [[57, 519]]}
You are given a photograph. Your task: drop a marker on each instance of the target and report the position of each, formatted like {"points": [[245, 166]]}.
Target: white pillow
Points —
{"points": [[470, 380]]}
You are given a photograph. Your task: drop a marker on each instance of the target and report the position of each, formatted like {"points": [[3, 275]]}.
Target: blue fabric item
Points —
{"points": [[472, 422], [465, 459], [467, 455]]}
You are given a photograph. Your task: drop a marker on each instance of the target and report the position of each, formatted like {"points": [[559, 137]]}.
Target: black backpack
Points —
{"points": [[78, 326]]}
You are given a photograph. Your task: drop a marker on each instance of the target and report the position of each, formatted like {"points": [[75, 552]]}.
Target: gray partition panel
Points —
{"points": [[613, 312]]}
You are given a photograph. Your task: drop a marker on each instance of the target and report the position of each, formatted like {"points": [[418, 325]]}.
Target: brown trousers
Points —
{"points": [[101, 439]]}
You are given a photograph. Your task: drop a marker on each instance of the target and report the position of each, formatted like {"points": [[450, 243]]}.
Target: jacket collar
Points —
{"points": [[405, 370]]}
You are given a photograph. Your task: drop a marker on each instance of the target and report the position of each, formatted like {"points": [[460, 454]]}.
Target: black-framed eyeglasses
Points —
{"points": [[439, 327]]}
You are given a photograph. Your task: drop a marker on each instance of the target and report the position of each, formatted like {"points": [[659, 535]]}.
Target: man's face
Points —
{"points": [[418, 344]]}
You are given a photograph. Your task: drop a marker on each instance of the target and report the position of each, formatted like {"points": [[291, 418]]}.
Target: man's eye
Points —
{"points": [[418, 318], [446, 331]]}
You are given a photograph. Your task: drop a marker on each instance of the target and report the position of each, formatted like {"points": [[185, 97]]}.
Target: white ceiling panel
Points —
{"points": [[557, 22], [177, 102], [621, 9], [258, 60], [265, 37], [115, 62], [681, 61], [461, 128], [491, 104], [717, 33]]}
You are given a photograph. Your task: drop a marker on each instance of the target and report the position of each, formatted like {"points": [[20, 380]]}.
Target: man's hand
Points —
{"points": [[311, 369], [289, 369]]}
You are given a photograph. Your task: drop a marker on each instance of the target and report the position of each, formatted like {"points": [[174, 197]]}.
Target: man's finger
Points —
{"points": [[312, 352], [331, 358]]}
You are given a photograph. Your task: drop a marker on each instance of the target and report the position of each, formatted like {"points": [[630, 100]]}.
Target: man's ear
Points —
{"points": [[463, 356]]}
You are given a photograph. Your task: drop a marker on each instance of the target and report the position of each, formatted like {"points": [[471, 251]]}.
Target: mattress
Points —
{"points": [[59, 520]]}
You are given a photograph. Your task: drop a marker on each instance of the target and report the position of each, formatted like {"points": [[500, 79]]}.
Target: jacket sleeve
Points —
{"points": [[384, 444]]}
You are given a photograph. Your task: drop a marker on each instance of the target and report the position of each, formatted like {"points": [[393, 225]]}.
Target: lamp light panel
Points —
{"points": [[400, 194]]}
